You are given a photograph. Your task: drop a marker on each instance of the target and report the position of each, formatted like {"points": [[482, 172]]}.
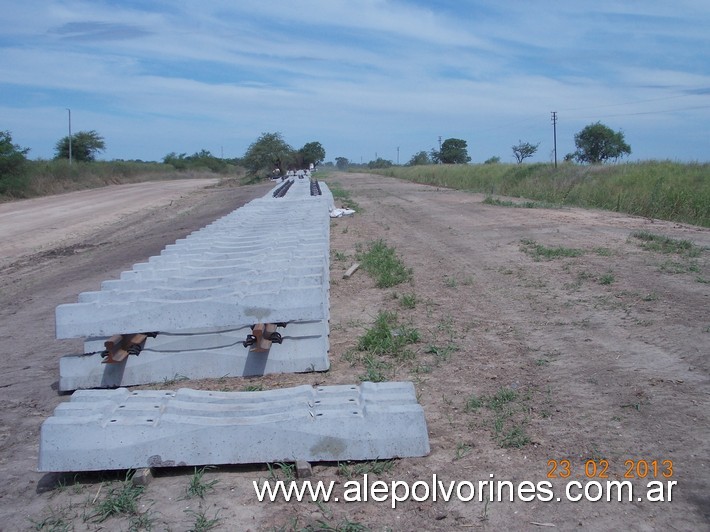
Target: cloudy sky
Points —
{"points": [[365, 78]]}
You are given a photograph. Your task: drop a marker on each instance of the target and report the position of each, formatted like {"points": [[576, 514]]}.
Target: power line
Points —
{"points": [[665, 111], [631, 103]]}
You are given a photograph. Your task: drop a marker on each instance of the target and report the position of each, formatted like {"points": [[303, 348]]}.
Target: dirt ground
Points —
{"points": [[523, 362]]}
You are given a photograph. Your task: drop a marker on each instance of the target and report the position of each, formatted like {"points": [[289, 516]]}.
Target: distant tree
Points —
{"points": [[341, 163], [200, 160], [379, 163], [268, 152], [177, 161], [419, 159], [312, 153], [12, 157], [524, 150], [84, 146], [453, 151], [205, 159], [492, 160], [598, 143]]}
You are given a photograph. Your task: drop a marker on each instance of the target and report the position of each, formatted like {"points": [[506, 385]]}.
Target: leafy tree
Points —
{"points": [[84, 146], [12, 156], [269, 151], [419, 158], [379, 163], [312, 153], [598, 143], [492, 160], [453, 151], [523, 150], [342, 163]]}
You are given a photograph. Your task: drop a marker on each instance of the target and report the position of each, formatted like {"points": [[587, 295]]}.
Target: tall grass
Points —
{"points": [[656, 189], [42, 178]]}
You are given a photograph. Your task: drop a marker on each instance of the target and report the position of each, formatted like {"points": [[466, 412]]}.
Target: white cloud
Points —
{"points": [[362, 73]]}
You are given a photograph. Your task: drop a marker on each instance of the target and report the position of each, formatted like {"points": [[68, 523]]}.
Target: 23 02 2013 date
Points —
{"points": [[601, 468]]}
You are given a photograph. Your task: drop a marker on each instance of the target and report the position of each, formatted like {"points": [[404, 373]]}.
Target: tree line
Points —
{"points": [[270, 154], [595, 144]]}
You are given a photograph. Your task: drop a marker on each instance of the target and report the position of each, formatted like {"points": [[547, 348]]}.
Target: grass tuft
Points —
{"points": [[351, 470], [120, 500], [665, 244], [388, 337], [540, 252], [198, 487], [382, 263]]}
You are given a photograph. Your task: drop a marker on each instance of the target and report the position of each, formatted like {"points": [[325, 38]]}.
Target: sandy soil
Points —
{"points": [[603, 357]]}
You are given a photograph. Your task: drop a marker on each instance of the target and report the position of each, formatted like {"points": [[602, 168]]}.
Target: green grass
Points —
{"points": [[607, 278], [506, 405], [540, 252], [490, 200], [287, 471], [514, 437], [343, 196], [501, 398], [198, 486], [202, 522], [462, 449], [388, 337], [473, 403], [655, 189], [351, 470], [665, 244], [442, 353], [376, 369], [408, 301], [119, 500], [54, 519], [382, 263]]}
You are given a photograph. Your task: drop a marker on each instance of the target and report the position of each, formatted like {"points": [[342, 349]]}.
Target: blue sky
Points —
{"points": [[362, 77]]}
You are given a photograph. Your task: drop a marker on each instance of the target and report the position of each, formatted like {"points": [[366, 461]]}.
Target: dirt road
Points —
{"points": [[545, 336], [32, 225]]}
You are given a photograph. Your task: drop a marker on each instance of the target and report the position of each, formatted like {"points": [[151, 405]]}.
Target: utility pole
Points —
{"points": [[397, 155], [69, 134], [439, 149], [554, 133]]}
